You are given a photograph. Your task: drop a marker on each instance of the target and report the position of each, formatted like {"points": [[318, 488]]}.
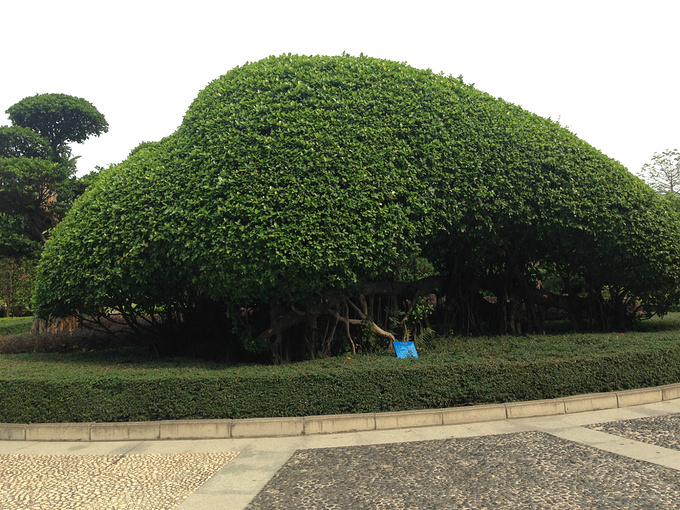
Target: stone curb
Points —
{"points": [[330, 424]]}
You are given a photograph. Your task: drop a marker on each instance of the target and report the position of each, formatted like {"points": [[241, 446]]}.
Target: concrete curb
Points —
{"points": [[330, 424]]}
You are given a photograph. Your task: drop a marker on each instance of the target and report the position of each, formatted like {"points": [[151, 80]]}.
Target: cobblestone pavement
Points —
{"points": [[111, 482], [658, 430], [623, 458], [527, 470]]}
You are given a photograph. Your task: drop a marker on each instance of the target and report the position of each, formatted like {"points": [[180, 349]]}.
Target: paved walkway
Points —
{"points": [[616, 458]]}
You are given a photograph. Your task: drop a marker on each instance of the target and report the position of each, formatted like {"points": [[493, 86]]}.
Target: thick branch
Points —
{"points": [[428, 285], [381, 332], [280, 322]]}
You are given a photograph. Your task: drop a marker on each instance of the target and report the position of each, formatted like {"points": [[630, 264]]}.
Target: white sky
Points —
{"points": [[607, 69]]}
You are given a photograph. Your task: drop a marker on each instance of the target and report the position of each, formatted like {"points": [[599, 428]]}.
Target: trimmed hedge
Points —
{"points": [[333, 386]]}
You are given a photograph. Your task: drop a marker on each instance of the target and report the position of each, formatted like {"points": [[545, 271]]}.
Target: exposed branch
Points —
{"points": [[428, 285], [381, 332], [279, 322], [347, 322], [355, 307]]}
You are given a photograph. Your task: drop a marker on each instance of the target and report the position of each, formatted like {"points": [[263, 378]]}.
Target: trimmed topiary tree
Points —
{"points": [[304, 197]]}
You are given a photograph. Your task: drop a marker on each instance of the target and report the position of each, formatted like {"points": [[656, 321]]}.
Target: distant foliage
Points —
{"points": [[16, 279], [663, 173], [37, 168], [17, 141], [37, 183], [60, 119], [306, 198]]}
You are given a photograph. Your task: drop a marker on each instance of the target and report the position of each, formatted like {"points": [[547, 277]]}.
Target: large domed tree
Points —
{"points": [[304, 199]]}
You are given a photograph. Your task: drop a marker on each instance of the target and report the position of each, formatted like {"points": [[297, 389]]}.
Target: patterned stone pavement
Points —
{"points": [[528, 470], [657, 430], [625, 458], [94, 482]]}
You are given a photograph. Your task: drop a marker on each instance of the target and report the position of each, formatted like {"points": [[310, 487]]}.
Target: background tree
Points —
{"points": [[37, 171], [18, 258], [663, 172], [29, 189], [18, 142], [15, 237], [60, 119], [37, 176]]}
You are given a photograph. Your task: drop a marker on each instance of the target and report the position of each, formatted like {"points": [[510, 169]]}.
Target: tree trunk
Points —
{"points": [[54, 325]]}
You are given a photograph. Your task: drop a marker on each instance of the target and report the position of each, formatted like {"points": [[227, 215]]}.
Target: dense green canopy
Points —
{"points": [[37, 170], [307, 192], [59, 118]]}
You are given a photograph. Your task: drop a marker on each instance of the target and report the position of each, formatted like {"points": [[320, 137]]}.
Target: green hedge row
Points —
{"points": [[366, 384]]}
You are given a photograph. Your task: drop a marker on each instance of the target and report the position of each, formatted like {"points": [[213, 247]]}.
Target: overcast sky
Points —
{"points": [[607, 69]]}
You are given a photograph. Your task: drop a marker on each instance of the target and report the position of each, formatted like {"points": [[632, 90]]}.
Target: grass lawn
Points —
{"points": [[15, 325]]}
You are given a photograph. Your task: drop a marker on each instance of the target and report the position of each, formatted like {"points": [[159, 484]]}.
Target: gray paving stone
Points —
{"points": [[531, 470], [661, 431]]}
